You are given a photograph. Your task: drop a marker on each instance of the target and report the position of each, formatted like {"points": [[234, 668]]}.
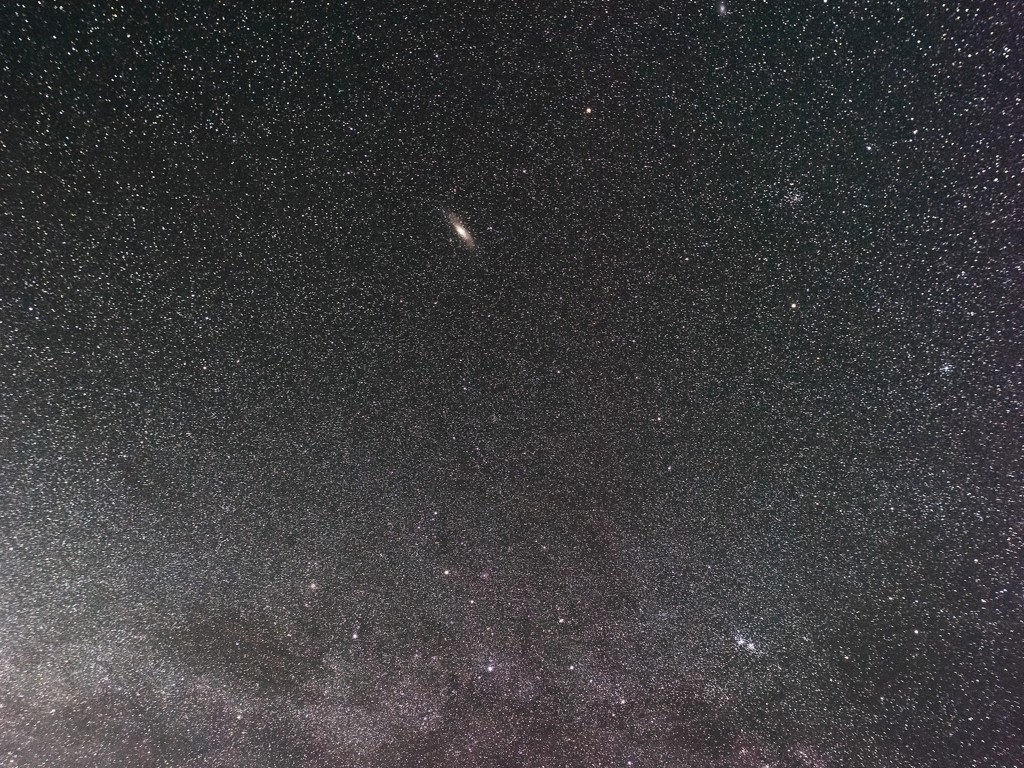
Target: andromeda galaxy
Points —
{"points": [[461, 230]]}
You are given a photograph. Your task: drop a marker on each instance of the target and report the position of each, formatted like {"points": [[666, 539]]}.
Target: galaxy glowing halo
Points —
{"points": [[461, 230]]}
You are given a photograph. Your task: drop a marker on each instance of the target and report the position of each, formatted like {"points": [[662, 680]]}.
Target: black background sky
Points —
{"points": [[708, 452]]}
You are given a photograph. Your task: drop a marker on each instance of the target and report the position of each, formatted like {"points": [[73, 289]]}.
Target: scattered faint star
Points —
{"points": [[302, 310]]}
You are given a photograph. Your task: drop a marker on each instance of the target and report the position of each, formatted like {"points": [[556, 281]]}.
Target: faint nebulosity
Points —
{"points": [[505, 384]]}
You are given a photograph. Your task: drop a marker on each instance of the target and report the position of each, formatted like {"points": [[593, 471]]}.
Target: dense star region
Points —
{"points": [[585, 385]]}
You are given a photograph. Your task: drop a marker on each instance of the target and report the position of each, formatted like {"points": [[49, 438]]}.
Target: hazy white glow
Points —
{"points": [[461, 230]]}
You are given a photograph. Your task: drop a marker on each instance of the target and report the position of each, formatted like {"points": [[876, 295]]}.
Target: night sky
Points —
{"points": [[512, 385]]}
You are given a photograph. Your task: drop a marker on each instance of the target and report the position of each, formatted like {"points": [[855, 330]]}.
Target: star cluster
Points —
{"points": [[497, 385]]}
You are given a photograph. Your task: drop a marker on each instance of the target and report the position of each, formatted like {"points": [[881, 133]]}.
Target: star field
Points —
{"points": [[486, 385]]}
